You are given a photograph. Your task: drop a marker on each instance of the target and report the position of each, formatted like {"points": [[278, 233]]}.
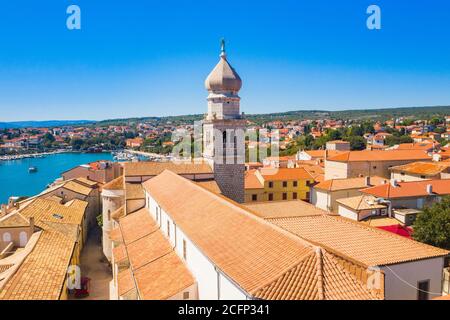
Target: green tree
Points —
{"points": [[432, 225], [356, 142], [76, 143]]}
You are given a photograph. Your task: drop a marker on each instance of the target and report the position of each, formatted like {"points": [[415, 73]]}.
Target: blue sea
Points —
{"points": [[15, 180]]}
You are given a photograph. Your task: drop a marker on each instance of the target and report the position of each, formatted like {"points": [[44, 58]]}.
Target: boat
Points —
{"points": [[32, 169]]}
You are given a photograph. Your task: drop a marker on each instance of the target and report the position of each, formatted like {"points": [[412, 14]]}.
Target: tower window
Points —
{"points": [[224, 137]]}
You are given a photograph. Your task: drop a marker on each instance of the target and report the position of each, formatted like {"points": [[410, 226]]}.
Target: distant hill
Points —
{"points": [[40, 124], [354, 114]]}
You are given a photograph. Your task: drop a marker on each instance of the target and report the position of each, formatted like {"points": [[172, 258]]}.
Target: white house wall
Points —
{"points": [[412, 273], [212, 285]]}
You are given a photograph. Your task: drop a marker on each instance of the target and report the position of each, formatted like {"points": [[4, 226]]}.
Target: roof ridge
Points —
{"points": [[319, 273]]}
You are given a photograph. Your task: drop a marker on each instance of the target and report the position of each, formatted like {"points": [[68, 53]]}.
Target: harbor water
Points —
{"points": [[16, 180]]}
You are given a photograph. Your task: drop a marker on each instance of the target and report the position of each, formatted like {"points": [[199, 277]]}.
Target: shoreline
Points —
{"points": [[41, 155]]}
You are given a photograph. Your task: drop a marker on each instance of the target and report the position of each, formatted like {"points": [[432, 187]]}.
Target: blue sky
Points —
{"points": [[149, 58]]}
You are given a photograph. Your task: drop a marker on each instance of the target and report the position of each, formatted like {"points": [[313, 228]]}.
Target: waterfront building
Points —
{"points": [[98, 171]]}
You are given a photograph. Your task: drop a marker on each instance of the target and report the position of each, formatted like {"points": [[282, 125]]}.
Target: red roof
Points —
{"points": [[399, 230]]}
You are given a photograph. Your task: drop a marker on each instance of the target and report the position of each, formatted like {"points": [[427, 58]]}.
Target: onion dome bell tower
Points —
{"points": [[224, 128]]}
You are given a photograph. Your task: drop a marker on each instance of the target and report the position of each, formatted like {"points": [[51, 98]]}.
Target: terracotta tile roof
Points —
{"points": [[375, 155], [367, 245], [148, 249], [350, 183], [380, 221], [116, 184], [125, 282], [13, 220], [154, 266], [282, 209], [134, 191], [119, 213], [163, 278], [77, 187], [313, 170], [119, 253], [116, 235], [4, 267], [51, 211], [277, 174], [363, 202], [409, 189], [137, 225], [317, 154], [252, 252], [319, 277], [42, 274], [155, 168], [416, 146], [251, 181], [423, 168], [87, 181], [211, 185]]}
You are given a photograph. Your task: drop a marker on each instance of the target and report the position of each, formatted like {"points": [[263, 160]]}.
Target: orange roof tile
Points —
{"points": [[148, 249], [116, 184], [155, 168], [163, 278], [42, 274], [365, 244], [350, 183], [282, 209], [423, 168], [125, 281], [253, 253], [251, 180], [375, 155], [137, 225], [278, 174], [409, 189], [319, 277]]}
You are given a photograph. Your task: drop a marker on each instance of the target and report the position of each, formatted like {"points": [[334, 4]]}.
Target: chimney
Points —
{"points": [[4, 211], [394, 183], [368, 181], [429, 188], [31, 225]]}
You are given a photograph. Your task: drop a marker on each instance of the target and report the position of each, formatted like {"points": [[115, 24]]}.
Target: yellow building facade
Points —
{"points": [[277, 184]]}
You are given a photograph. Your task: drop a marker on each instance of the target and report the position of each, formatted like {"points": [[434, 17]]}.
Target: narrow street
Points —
{"points": [[95, 266]]}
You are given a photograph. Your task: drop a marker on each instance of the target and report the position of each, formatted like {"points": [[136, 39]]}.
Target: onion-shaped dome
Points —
{"points": [[223, 77]]}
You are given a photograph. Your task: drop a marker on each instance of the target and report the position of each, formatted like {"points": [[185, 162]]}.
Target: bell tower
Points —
{"points": [[224, 129]]}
